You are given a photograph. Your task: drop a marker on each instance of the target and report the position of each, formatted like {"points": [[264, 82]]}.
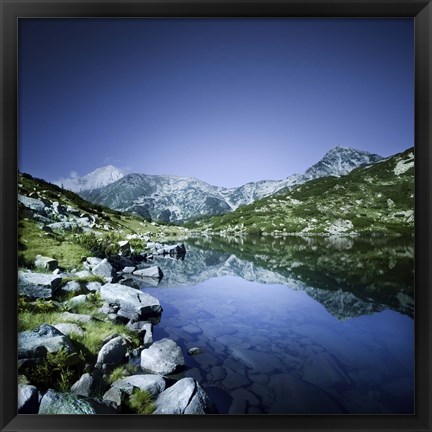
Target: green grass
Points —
{"points": [[141, 402], [34, 241], [121, 372], [53, 372]]}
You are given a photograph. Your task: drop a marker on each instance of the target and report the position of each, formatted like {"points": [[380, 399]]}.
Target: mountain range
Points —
{"points": [[170, 198]]}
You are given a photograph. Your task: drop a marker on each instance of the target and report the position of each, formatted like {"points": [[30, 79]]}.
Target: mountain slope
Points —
{"points": [[170, 198], [374, 198], [96, 179]]}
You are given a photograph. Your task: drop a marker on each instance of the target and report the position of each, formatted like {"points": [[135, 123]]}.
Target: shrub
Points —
{"points": [[53, 372]]}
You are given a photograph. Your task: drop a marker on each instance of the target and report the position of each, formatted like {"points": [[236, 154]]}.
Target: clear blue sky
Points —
{"points": [[226, 101]]}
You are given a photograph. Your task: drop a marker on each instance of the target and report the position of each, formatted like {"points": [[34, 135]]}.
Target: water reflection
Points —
{"points": [[301, 325]]}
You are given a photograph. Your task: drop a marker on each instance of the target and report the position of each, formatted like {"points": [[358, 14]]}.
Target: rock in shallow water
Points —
{"points": [[154, 384], [163, 357], [133, 304], [184, 397]]}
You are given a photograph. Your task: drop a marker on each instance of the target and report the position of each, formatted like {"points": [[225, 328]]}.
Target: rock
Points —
{"points": [[154, 384], [152, 272], [73, 287], [78, 318], [143, 329], [324, 370], [46, 262], [133, 304], [83, 274], [69, 403], [128, 270], [218, 373], [114, 395], [93, 261], [246, 395], [194, 351], [104, 269], [184, 397], [65, 226], [28, 399], [295, 396], [58, 208], [175, 249], [87, 385], [148, 334], [76, 301], [131, 283], [93, 286], [192, 329], [37, 285], [45, 338], [69, 328], [33, 204], [124, 247], [112, 353], [163, 357]]}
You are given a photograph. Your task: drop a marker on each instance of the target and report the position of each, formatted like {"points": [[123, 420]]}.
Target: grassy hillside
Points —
{"points": [[378, 198], [99, 236]]}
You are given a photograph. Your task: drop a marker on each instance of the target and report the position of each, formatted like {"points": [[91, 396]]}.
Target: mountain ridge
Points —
{"points": [[175, 198]]}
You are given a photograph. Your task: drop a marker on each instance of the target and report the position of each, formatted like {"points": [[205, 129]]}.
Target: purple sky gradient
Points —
{"points": [[226, 101]]}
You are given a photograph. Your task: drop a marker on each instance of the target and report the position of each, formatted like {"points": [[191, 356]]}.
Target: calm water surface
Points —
{"points": [[302, 325]]}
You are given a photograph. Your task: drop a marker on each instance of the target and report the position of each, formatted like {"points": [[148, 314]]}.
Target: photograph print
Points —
{"points": [[216, 216]]}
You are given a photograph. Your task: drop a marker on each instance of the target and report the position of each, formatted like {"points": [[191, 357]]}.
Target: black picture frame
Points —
{"points": [[420, 10]]}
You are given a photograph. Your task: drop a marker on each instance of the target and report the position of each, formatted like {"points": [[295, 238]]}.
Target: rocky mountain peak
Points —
{"points": [[98, 178]]}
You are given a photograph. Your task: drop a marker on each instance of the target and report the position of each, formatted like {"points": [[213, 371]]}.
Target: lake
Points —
{"points": [[314, 325]]}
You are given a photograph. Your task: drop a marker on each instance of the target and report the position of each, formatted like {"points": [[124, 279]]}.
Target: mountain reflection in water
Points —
{"points": [[296, 325]]}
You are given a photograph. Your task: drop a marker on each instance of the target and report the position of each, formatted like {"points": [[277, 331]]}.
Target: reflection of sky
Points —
{"points": [[167, 96], [375, 352]]}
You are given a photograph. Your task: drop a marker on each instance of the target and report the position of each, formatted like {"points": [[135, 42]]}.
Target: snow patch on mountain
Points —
{"points": [[98, 178]]}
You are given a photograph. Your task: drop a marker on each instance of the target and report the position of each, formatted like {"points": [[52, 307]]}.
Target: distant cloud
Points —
{"points": [[73, 175]]}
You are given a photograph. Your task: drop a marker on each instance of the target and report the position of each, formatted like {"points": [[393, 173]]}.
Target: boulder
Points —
{"points": [[150, 272], [175, 249], [69, 328], [93, 286], [64, 226], [184, 397], [46, 338], [148, 334], [46, 262], [73, 287], [28, 399], [37, 285], [34, 204], [154, 384], [83, 274], [77, 318], [194, 351], [114, 395], [93, 261], [59, 208], [104, 269], [163, 357], [69, 403], [76, 301], [133, 304], [112, 353], [124, 247], [128, 269], [87, 385]]}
